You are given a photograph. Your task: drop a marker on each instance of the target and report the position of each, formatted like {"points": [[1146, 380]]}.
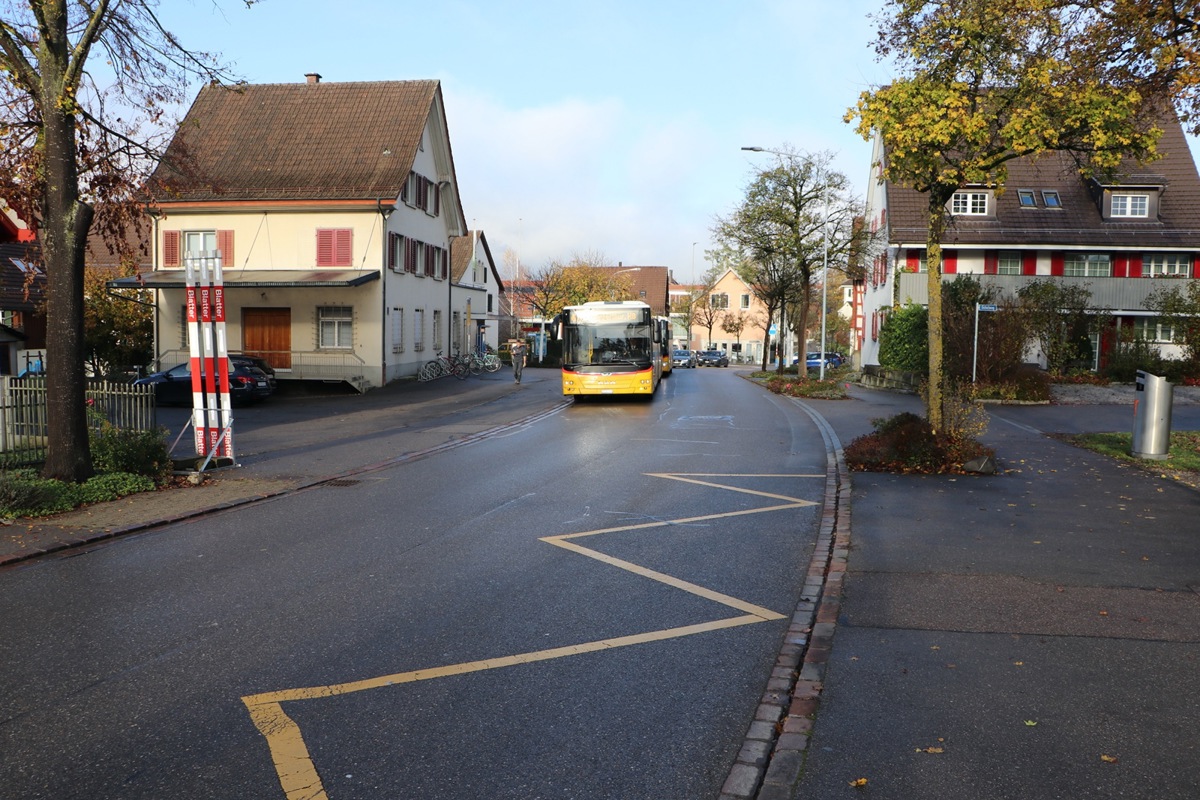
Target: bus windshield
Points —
{"points": [[607, 336]]}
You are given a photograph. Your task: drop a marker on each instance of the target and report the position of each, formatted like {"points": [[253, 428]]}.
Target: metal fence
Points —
{"points": [[24, 415]]}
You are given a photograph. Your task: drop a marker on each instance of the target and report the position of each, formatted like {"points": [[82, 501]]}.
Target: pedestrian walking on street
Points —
{"points": [[518, 359]]}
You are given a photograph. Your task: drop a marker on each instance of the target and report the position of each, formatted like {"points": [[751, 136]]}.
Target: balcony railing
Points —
{"points": [[1116, 294]]}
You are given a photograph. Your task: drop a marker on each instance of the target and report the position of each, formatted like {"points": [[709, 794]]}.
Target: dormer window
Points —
{"points": [[1130, 205], [969, 204], [1026, 198], [1051, 198]]}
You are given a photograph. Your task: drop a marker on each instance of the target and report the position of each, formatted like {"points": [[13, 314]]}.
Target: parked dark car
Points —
{"points": [[255, 361], [247, 384], [714, 358], [683, 358]]}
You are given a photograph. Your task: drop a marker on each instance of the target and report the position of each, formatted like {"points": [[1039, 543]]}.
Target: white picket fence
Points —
{"points": [[24, 415]]}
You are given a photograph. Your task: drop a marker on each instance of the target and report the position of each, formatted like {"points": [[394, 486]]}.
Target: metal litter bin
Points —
{"points": [[1151, 416]]}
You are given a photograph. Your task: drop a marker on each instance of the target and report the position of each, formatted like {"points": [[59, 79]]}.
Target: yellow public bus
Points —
{"points": [[611, 347]]}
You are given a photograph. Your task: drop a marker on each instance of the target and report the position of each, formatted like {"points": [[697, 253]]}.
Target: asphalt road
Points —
{"points": [[584, 607]]}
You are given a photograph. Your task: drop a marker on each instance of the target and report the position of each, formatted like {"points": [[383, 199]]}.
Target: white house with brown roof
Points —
{"points": [[1121, 240], [477, 290], [334, 208]]}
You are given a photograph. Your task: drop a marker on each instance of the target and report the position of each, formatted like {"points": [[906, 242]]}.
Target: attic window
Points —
{"points": [[969, 203], [1130, 205], [1051, 199], [1026, 198], [26, 267]]}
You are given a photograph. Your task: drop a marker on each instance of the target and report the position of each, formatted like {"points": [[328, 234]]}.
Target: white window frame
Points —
{"points": [[335, 327], [397, 330], [718, 300], [1009, 264], [969, 204], [1087, 265], [418, 329], [1168, 265], [745, 302], [437, 331], [1130, 205], [206, 239], [1154, 329]]}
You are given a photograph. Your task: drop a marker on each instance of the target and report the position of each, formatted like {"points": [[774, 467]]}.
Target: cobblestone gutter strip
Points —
{"points": [[769, 765]]}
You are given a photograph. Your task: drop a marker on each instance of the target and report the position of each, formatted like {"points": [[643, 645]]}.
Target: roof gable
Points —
{"points": [[1079, 221], [299, 141]]}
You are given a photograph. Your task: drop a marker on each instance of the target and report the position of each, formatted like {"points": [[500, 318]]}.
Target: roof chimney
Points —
{"points": [[313, 77]]}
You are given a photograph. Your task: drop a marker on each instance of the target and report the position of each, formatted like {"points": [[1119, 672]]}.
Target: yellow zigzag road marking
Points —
{"points": [[298, 774]]}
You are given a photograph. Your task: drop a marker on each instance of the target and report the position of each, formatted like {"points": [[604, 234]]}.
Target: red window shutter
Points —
{"points": [[912, 262], [172, 242], [1120, 265], [1195, 267], [1136, 266], [343, 247], [1029, 263], [437, 200], [334, 247], [991, 262], [1057, 261], [949, 262], [324, 248], [391, 251], [225, 245]]}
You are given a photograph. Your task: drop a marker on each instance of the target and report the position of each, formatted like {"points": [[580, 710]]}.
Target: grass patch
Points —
{"points": [[1183, 453]]}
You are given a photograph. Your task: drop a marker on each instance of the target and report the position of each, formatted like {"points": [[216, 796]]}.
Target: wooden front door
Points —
{"points": [[267, 332]]}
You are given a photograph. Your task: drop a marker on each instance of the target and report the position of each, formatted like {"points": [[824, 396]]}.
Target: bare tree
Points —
{"points": [[77, 143]]}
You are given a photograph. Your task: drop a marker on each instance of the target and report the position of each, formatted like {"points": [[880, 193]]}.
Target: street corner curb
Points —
{"points": [[784, 719]]}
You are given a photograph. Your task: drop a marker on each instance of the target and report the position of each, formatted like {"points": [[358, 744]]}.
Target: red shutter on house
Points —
{"points": [[912, 262], [949, 262], [437, 200], [1136, 266], [172, 241], [1120, 265], [991, 262], [324, 248], [225, 245], [334, 247], [1057, 260], [1029, 263], [343, 247], [1195, 267]]}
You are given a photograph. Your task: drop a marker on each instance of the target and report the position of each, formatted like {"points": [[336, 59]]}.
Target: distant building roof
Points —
{"points": [[301, 141], [1078, 221]]}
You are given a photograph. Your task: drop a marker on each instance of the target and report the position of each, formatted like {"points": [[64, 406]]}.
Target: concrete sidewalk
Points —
{"points": [[1034, 634], [295, 441]]}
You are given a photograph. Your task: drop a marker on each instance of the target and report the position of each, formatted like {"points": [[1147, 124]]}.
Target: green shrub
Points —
{"points": [[110, 486], [904, 340], [115, 450], [906, 443], [24, 494], [807, 387]]}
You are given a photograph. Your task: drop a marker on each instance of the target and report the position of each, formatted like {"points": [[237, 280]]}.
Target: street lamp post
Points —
{"points": [[825, 249]]}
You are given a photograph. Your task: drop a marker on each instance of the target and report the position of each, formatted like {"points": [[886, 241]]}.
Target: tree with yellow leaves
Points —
{"points": [[984, 83]]}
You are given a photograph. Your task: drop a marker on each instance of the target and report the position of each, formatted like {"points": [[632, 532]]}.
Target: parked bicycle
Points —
{"points": [[444, 365]]}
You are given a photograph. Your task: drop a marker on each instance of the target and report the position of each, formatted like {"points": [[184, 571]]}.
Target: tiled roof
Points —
{"points": [[653, 281], [19, 291], [1079, 221], [301, 141]]}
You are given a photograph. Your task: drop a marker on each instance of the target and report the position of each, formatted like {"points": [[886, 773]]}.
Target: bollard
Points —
{"points": [[1151, 417]]}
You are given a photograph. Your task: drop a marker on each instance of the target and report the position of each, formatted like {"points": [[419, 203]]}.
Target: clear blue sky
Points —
{"points": [[611, 128]]}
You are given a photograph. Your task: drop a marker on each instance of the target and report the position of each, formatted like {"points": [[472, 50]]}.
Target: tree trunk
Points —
{"points": [[933, 263], [64, 226]]}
